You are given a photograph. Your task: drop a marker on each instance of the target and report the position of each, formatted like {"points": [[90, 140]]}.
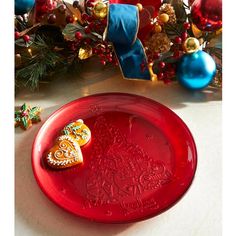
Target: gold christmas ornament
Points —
{"points": [[158, 43], [140, 6], [85, 52], [169, 10], [157, 28], [100, 10], [191, 45], [164, 18]]}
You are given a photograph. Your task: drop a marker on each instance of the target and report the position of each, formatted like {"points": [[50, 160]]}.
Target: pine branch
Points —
{"points": [[43, 60]]}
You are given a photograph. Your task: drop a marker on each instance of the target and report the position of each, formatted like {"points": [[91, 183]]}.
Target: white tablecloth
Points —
{"points": [[199, 211]]}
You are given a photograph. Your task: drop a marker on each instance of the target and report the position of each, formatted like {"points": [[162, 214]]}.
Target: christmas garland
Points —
{"points": [[53, 36]]}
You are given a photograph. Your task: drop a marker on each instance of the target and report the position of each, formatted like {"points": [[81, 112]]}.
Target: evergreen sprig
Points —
{"points": [[44, 58]]}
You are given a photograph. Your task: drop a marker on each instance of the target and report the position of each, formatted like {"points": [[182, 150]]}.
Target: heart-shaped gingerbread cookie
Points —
{"points": [[65, 153]]}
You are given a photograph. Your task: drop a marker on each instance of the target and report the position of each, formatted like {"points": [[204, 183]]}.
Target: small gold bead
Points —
{"points": [[164, 18], [157, 28], [140, 6]]}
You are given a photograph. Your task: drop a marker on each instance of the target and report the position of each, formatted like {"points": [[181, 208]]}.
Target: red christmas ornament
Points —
{"points": [[207, 14]]}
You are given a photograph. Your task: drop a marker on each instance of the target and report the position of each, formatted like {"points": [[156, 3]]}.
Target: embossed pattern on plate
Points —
{"points": [[140, 161]]}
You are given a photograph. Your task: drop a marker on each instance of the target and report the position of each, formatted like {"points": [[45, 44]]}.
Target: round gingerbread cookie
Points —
{"points": [[79, 131]]}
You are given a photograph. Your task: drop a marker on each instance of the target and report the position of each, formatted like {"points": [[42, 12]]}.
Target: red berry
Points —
{"points": [[89, 19], [156, 56], [87, 41], [52, 19], [89, 3], [184, 36], [109, 58], [69, 19], [44, 9], [171, 73], [50, 6], [150, 59], [186, 25], [78, 35], [166, 80], [103, 62], [91, 25], [95, 51], [160, 75], [178, 40], [62, 8], [102, 50], [176, 54], [17, 35], [87, 30], [85, 16], [161, 64], [26, 38], [115, 62]]}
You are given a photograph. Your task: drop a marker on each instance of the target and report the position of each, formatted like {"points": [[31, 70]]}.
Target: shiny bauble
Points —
{"points": [[164, 18], [196, 70], [23, 6], [100, 10], [191, 45], [207, 14]]}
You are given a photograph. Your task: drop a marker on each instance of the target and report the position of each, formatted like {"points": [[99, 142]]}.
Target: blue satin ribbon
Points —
{"points": [[123, 24]]}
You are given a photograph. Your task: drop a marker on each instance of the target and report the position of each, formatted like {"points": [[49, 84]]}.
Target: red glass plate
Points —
{"points": [[140, 161]]}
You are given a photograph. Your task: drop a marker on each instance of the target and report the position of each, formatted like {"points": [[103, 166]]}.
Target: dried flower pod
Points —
{"points": [[169, 10], [158, 43]]}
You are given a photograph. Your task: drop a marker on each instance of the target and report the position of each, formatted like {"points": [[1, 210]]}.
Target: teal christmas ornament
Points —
{"points": [[23, 6], [196, 70]]}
